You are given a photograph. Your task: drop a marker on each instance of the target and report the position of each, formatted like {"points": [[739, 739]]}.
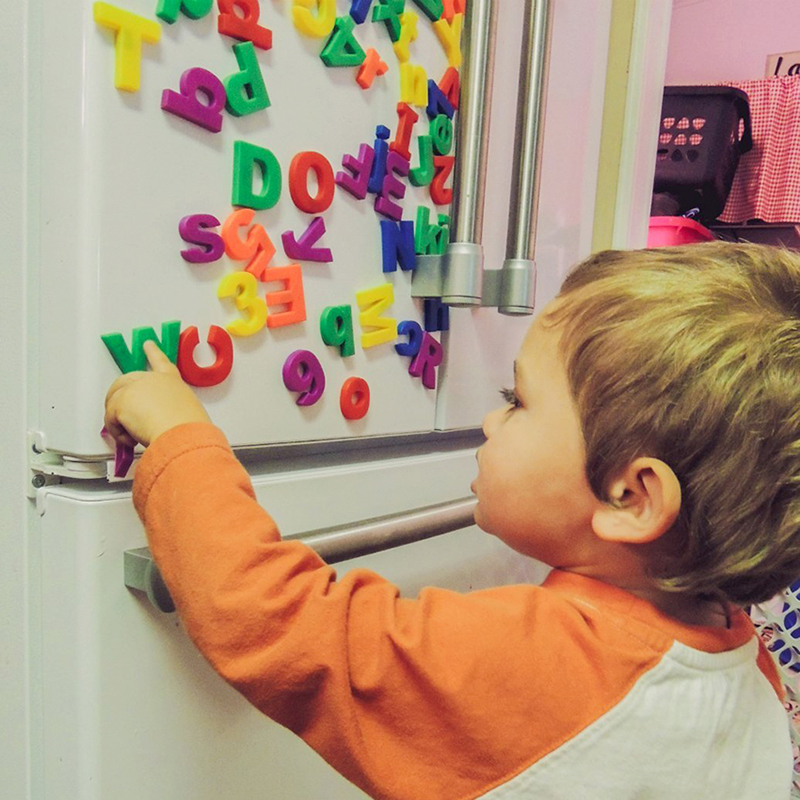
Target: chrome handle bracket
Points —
{"points": [[335, 544]]}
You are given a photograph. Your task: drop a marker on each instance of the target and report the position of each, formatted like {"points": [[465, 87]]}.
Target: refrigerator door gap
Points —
{"points": [[46, 467]]}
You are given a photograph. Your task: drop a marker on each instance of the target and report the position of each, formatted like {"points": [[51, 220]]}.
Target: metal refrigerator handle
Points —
{"points": [[459, 277], [335, 544], [514, 286], [462, 263]]}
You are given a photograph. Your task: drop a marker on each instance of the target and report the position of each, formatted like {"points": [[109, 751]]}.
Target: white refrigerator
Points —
{"points": [[205, 166]]}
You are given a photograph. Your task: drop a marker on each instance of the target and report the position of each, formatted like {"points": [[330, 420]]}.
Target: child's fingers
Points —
{"points": [[119, 434], [156, 358], [121, 383], [112, 425]]}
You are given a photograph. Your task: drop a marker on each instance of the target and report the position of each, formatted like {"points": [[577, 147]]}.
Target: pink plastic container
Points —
{"points": [[671, 231]]}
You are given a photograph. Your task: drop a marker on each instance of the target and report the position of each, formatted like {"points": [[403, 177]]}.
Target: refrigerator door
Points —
{"points": [[130, 709], [112, 174]]}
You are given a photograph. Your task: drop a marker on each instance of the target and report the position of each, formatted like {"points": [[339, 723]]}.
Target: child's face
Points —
{"points": [[531, 486]]}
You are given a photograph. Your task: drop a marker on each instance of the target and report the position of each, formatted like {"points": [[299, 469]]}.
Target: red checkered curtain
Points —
{"points": [[767, 182]]}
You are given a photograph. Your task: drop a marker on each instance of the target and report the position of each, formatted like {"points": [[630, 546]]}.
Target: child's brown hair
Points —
{"points": [[692, 355]]}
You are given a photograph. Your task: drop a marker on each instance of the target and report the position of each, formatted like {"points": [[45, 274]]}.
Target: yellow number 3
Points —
{"points": [[242, 287]]}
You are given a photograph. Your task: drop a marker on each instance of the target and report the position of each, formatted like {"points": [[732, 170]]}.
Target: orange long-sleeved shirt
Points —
{"points": [[571, 689]]}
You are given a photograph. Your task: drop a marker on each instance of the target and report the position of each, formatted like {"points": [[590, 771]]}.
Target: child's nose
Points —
{"points": [[492, 420]]}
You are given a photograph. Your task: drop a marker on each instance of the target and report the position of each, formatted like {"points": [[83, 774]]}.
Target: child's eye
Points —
{"points": [[510, 396]]}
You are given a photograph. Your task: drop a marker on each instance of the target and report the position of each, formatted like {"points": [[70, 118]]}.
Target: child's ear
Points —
{"points": [[646, 500]]}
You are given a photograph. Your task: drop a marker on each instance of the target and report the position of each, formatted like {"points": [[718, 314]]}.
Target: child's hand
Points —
{"points": [[142, 405]]}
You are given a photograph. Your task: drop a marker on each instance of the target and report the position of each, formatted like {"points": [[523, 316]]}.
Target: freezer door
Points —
{"points": [[112, 173], [130, 709]]}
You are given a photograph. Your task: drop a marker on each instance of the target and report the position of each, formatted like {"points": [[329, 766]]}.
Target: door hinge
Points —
{"points": [[46, 468]]}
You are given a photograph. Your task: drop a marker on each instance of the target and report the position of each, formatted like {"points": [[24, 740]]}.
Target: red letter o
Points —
{"points": [[298, 182]]}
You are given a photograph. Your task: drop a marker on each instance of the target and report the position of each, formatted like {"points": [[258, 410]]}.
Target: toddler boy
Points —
{"points": [[649, 452]]}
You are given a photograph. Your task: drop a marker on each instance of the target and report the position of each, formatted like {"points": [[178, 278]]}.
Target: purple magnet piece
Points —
{"points": [[187, 103], [304, 250], [395, 164], [361, 168], [425, 362], [123, 456], [303, 373], [194, 229]]}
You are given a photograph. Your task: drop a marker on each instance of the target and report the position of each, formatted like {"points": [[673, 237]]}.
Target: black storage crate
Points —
{"points": [[704, 130]]}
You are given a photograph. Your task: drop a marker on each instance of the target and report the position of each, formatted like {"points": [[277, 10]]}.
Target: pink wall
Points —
{"points": [[719, 40]]}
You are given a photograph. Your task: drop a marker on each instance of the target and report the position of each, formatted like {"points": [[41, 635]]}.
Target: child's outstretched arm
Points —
{"points": [[140, 406], [447, 696]]}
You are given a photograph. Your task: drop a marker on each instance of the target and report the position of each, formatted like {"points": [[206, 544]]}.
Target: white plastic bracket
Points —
{"points": [[46, 468]]}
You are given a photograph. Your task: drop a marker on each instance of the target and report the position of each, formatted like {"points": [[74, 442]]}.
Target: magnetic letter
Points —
{"points": [[304, 249], [371, 67], [343, 49], [436, 315], [452, 7], [130, 31], [188, 105], [245, 27], [431, 8], [388, 12], [449, 34], [413, 330], [194, 9], [441, 131], [257, 246], [425, 362], [214, 374], [301, 164], [336, 329], [318, 25], [361, 168], [354, 398], [291, 296], [438, 102], [194, 229], [303, 373], [246, 157], [372, 303], [379, 162], [242, 287], [245, 89], [359, 10], [430, 239], [408, 33], [443, 238], [395, 164], [449, 84], [423, 174], [135, 359], [406, 117], [444, 166], [413, 84], [397, 245]]}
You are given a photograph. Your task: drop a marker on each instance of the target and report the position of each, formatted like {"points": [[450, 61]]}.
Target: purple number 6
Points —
{"points": [[303, 373]]}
